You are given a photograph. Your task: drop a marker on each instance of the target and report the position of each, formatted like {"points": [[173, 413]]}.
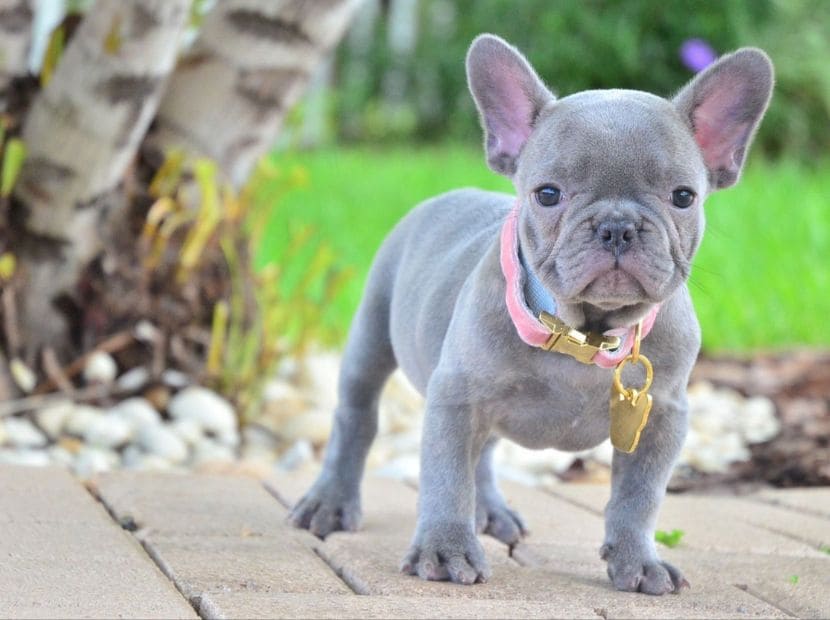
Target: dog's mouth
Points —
{"points": [[612, 289]]}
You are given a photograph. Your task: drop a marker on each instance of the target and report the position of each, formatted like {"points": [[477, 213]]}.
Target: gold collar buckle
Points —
{"points": [[579, 345]]}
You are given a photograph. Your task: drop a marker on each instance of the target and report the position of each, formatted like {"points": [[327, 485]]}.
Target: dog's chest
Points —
{"points": [[551, 413]]}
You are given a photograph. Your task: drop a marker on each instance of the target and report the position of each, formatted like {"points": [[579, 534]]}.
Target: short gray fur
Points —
{"points": [[434, 306]]}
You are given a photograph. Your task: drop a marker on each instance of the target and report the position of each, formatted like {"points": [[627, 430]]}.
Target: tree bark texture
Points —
{"points": [[85, 127], [82, 132], [251, 62], [15, 39]]}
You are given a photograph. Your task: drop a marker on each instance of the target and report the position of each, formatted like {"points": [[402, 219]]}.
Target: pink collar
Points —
{"points": [[529, 328]]}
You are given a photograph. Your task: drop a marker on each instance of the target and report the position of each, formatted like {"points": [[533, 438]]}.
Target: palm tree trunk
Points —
{"points": [[251, 62]]}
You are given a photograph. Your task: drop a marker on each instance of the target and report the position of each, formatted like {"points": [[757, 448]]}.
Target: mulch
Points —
{"points": [[798, 383]]}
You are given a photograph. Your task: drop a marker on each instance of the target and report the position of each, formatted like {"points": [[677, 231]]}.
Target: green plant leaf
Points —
{"points": [[13, 158], [54, 52], [669, 539]]}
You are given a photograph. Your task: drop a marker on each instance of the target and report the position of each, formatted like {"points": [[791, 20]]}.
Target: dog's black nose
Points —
{"points": [[617, 235]]}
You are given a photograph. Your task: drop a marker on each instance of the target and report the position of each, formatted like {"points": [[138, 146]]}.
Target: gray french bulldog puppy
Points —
{"points": [[610, 186]]}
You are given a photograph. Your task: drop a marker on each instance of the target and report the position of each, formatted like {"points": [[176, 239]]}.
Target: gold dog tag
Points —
{"points": [[630, 406], [629, 414]]}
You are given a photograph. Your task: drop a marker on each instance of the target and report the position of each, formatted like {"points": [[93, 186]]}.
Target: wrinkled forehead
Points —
{"points": [[618, 134]]}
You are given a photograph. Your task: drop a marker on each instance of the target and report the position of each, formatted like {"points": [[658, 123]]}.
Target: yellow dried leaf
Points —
{"points": [[167, 177], [114, 40], [217, 338], [8, 265]]}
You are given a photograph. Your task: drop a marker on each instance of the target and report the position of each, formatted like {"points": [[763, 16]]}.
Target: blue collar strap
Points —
{"points": [[537, 297]]}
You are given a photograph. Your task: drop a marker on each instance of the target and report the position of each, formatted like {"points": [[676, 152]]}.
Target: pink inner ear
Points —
{"points": [[718, 132], [511, 121]]}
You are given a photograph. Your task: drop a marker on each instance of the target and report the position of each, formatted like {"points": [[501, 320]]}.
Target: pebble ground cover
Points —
{"points": [[760, 280]]}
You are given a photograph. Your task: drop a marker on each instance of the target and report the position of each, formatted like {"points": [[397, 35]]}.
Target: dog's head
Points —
{"points": [[612, 182]]}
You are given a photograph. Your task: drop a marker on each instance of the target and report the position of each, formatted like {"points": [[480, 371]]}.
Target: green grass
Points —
{"points": [[761, 279], [669, 539]]}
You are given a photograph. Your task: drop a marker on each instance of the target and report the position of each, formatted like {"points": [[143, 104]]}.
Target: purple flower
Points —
{"points": [[697, 54]]}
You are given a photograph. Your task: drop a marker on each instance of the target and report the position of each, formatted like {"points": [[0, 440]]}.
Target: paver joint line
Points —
{"points": [[354, 587], [762, 598], [135, 531], [575, 502], [771, 501], [273, 492]]}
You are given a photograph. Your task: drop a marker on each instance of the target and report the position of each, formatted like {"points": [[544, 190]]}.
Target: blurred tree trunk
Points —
{"points": [[15, 40], [82, 133], [251, 62], [226, 100]]}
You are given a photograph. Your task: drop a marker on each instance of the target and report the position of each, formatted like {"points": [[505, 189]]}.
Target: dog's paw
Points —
{"points": [[447, 553], [322, 512], [634, 574], [500, 522]]}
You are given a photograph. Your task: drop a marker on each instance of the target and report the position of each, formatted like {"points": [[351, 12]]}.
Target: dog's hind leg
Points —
{"points": [[333, 502], [492, 513]]}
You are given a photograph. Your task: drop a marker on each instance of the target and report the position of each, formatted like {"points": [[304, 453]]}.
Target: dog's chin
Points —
{"points": [[614, 289]]}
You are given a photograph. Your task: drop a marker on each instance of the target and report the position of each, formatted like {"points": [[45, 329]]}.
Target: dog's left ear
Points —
{"points": [[723, 106], [509, 96]]}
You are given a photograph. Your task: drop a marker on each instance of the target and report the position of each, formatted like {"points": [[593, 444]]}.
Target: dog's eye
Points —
{"points": [[682, 197], [548, 195]]}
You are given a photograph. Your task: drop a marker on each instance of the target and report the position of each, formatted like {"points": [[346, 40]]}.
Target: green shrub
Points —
{"points": [[582, 44]]}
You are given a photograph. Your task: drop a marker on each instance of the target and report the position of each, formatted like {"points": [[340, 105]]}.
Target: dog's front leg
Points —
{"points": [[445, 546], [638, 487]]}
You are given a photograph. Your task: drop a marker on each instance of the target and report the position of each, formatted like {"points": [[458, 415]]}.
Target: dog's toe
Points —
{"points": [[321, 514]]}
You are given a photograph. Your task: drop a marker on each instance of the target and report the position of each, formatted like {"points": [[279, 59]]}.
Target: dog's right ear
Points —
{"points": [[509, 96]]}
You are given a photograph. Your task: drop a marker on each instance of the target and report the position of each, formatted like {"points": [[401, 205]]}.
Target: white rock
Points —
{"points": [[405, 442], [209, 451], [229, 438], [3, 434], [21, 433], [80, 419], [280, 401], [131, 456], [188, 429], [24, 456], [312, 425], [280, 390], [52, 418], [758, 420], [258, 443], [603, 453], [533, 461], [146, 332], [100, 367], [135, 458], [402, 468], [162, 441], [136, 412], [108, 431], [320, 372], [214, 413], [153, 462], [23, 376], [134, 379], [60, 456], [299, 454], [91, 460], [174, 378], [260, 438]]}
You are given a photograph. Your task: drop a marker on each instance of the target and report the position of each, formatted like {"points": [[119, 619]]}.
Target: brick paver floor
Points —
{"points": [[217, 546]]}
